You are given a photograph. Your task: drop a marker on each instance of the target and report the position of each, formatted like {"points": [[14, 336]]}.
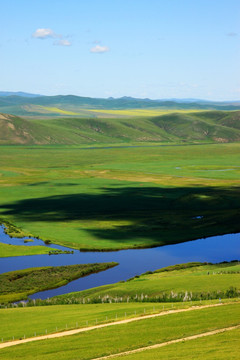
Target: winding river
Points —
{"points": [[131, 262]]}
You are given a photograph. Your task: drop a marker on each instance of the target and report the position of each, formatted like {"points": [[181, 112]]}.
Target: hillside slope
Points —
{"points": [[205, 126]]}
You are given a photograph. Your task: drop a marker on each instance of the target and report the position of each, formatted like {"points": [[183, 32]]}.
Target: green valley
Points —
{"points": [[103, 178]]}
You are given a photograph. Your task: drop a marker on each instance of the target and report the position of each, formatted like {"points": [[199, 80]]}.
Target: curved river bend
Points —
{"points": [[131, 262]]}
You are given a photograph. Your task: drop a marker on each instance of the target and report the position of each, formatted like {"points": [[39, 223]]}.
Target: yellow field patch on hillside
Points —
{"points": [[142, 112], [79, 111], [60, 111], [48, 109]]}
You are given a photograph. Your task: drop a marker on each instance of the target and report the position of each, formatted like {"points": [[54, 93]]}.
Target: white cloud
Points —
{"points": [[44, 34], [62, 43], [99, 49], [49, 33]]}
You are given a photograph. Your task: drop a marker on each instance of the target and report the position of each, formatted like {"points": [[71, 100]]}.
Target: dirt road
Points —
{"points": [[89, 328]]}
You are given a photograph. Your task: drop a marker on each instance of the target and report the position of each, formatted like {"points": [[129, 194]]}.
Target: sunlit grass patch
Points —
{"points": [[220, 346], [20, 250]]}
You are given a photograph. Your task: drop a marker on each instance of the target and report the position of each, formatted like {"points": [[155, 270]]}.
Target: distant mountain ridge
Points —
{"points": [[71, 105], [18, 93], [131, 98]]}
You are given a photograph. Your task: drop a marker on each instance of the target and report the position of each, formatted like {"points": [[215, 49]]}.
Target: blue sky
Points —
{"points": [[141, 48]]}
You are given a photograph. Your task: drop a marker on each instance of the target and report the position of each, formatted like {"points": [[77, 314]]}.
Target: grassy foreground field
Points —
{"points": [[220, 347], [17, 322], [115, 339], [17, 285], [139, 296], [120, 197]]}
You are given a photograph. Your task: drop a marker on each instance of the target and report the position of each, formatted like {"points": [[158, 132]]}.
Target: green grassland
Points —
{"points": [[118, 338], [27, 321], [120, 197], [17, 285], [172, 284], [20, 250], [216, 347], [100, 179], [122, 126], [113, 302]]}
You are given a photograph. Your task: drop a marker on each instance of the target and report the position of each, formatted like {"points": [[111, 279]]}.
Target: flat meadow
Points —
{"points": [[118, 197]]}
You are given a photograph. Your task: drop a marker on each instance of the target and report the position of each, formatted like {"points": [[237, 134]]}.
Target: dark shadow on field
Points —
{"points": [[51, 184], [162, 215]]}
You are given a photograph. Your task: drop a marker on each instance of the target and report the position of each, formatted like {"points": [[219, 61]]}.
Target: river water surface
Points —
{"points": [[131, 262]]}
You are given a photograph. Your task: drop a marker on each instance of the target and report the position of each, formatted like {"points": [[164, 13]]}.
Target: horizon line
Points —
{"points": [[115, 98]]}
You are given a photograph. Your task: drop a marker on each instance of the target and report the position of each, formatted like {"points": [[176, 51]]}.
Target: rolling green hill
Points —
{"points": [[195, 126]]}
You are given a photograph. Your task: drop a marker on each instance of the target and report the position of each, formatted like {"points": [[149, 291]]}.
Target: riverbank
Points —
{"points": [[17, 285], [179, 283]]}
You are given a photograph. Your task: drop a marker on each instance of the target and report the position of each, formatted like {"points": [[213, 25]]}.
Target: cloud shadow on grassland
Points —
{"points": [[150, 212]]}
